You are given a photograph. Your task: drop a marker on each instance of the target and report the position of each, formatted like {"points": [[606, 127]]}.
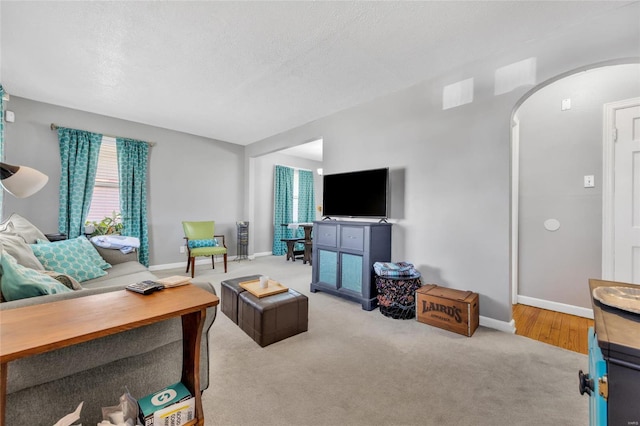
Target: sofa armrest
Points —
{"points": [[113, 257]]}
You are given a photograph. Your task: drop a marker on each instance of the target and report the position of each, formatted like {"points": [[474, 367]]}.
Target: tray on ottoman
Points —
{"points": [[254, 288], [270, 319], [230, 289]]}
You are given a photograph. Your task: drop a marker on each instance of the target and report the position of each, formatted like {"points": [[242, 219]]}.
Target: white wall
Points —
{"points": [[455, 163], [557, 149], [190, 177]]}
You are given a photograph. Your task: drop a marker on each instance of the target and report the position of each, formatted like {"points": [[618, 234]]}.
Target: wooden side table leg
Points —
{"points": [[3, 391], [290, 254], [191, 336], [307, 252]]}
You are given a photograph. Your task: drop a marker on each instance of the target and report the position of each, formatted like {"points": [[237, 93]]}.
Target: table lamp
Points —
{"points": [[21, 181]]}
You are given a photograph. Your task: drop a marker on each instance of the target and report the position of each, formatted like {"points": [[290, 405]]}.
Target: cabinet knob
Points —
{"points": [[585, 384]]}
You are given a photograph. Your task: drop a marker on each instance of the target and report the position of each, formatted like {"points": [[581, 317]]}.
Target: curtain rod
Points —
{"points": [[54, 126], [294, 168]]}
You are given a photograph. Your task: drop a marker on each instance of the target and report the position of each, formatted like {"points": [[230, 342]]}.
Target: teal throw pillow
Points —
{"points": [[203, 243], [76, 257], [19, 282]]}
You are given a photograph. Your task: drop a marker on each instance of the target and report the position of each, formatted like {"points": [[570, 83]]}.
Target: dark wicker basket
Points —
{"points": [[397, 311], [396, 296]]}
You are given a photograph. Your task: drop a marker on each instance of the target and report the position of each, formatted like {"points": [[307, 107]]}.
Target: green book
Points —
{"points": [[161, 399]]}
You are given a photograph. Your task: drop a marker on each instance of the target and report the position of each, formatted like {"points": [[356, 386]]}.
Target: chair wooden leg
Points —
{"points": [[213, 262], [188, 264], [193, 266], [225, 263]]}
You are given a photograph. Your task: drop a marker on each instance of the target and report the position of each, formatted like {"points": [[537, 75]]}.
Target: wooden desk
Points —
{"points": [[41, 328]]}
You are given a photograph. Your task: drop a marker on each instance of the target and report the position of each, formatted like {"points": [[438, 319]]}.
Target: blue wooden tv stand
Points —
{"points": [[343, 256]]}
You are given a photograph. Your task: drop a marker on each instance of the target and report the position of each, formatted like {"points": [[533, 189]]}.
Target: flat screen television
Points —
{"points": [[356, 194]]}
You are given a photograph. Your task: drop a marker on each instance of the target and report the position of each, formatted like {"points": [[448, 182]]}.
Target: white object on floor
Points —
{"points": [[71, 417]]}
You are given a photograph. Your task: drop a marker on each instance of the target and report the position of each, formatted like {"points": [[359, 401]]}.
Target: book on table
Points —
{"points": [[174, 281]]}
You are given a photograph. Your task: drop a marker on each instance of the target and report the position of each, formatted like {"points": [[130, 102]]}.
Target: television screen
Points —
{"points": [[356, 194]]}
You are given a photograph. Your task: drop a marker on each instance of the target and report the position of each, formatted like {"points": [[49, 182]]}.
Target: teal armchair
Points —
{"points": [[202, 241]]}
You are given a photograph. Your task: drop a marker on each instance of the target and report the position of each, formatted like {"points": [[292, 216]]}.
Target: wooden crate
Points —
{"points": [[453, 310]]}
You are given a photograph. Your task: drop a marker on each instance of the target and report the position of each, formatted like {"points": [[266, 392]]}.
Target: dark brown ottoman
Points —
{"points": [[229, 295], [273, 318]]}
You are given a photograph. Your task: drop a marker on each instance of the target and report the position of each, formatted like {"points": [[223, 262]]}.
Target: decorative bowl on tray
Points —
{"points": [[625, 298]]}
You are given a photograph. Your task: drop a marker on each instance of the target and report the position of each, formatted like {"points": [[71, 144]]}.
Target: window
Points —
{"points": [[106, 191]]}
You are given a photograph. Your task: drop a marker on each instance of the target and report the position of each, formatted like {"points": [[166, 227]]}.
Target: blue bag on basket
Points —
{"points": [[398, 269]]}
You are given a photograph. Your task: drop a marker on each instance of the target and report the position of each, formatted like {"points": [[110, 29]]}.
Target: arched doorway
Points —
{"points": [[557, 143]]}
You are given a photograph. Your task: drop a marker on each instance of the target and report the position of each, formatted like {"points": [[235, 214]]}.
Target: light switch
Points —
{"points": [[589, 181], [566, 104]]}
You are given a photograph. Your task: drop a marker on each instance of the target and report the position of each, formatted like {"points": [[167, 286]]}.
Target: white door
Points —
{"points": [[626, 198]]}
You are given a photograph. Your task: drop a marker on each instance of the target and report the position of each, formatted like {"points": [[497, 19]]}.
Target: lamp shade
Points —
{"points": [[21, 181]]}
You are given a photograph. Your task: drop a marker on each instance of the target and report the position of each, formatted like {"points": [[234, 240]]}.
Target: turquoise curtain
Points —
{"points": [[282, 207], [306, 201], [1, 144], [79, 152], [306, 197], [132, 172]]}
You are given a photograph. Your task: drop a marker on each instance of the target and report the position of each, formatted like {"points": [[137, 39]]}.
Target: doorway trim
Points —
{"points": [[515, 202], [608, 170]]}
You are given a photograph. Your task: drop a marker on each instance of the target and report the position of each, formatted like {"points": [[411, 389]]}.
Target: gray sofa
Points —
{"points": [[43, 388]]}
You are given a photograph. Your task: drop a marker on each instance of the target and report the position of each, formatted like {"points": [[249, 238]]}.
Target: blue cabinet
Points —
{"points": [[343, 256], [598, 373]]}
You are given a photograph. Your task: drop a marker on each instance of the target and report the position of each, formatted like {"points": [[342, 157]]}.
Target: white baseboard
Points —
{"points": [[507, 327], [264, 253], [556, 306], [167, 266], [201, 261]]}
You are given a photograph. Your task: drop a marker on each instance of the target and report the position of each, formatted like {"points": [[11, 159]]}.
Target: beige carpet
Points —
{"points": [[355, 367]]}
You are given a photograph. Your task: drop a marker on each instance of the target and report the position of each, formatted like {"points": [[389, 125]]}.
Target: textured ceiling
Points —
{"points": [[243, 71]]}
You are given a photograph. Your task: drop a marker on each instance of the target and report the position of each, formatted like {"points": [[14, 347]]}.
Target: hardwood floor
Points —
{"points": [[558, 329]]}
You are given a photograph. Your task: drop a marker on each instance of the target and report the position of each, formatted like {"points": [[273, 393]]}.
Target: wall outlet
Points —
{"points": [[589, 181], [181, 249]]}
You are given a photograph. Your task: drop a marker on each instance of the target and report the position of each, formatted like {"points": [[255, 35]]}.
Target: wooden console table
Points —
{"points": [[41, 328]]}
